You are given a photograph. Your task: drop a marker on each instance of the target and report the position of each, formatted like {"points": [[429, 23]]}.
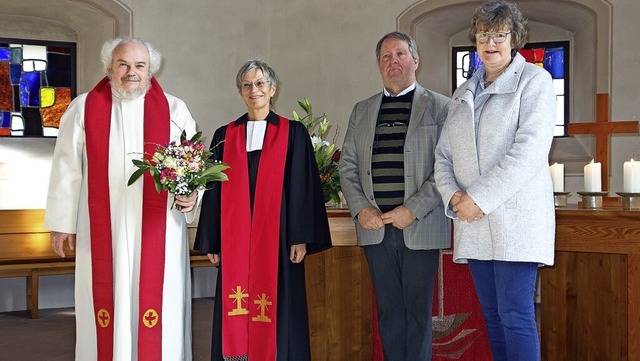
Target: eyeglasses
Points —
{"points": [[260, 84], [498, 38]]}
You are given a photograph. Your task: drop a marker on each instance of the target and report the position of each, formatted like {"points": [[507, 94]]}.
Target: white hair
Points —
{"points": [[106, 54]]}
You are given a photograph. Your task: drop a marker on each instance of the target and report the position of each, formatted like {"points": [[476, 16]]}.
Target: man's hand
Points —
{"points": [[187, 203], [399, 217], [297, 252], [370, 219], [57, 242], [214, 258]]}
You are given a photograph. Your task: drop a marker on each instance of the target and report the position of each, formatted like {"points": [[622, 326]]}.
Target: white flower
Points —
{"points": [[170, 162]]}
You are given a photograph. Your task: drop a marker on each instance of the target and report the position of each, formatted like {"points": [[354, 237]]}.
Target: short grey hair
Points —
{"points": [[106, 54], [494, 15], [250, 65], [411, 43]]}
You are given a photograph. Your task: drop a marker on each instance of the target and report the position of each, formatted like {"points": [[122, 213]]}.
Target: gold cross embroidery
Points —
{"points": [[239, 296], [262, 303]]}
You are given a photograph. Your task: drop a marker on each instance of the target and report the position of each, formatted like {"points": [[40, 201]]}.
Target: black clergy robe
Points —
{"points": [[308, 224]]}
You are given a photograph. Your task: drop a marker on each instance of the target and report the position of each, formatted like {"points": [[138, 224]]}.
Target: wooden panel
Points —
{"points": [[633, 306], [342, 228], [604, 231], [584, 313], [30, 247], [340, 306], [590, 298], [22, 221]]}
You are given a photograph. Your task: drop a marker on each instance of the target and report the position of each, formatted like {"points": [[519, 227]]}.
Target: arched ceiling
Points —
{"points": [[76, 14], [451, 20]]}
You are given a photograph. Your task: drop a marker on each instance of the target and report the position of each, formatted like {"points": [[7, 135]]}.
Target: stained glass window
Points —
{"points": [[37, 83], [552, 56]]}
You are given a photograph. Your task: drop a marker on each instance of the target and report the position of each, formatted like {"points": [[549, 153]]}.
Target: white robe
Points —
{"points": [[67, 211]]}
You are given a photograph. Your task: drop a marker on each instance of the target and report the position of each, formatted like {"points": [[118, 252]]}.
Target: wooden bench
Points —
{"points": [[25, 251]]}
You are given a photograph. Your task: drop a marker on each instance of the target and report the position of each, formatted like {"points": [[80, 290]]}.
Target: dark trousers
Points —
{"points": [[404, 281]]}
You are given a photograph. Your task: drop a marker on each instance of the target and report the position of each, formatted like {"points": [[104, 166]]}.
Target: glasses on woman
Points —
{"points": [[498, 38], [260, 84]]}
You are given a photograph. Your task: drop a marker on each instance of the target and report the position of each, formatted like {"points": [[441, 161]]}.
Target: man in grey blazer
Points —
{"points": [[386, 173]]}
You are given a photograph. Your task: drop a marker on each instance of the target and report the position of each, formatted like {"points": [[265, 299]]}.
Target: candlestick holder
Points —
{"points": [[630, 201], [592, 200], [560, 198]]}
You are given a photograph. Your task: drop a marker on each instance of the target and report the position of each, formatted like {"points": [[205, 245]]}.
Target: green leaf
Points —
{"points": [[140, 163], [196, 137], [137, 174], [216, 168]]}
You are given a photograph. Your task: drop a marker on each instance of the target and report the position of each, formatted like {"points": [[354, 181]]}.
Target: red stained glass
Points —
{"points": [[6, 89]]}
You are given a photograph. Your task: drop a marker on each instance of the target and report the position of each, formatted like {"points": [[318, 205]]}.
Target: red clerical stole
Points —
{"points": [[250, 243], [154, 208]]}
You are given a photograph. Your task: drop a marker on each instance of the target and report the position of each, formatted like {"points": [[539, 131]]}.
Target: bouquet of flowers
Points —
{"points": [[326, 154], [181, 168]]}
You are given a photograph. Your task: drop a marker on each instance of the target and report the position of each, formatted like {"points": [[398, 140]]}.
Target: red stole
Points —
{"points": [[250, 244], [154, 207]]}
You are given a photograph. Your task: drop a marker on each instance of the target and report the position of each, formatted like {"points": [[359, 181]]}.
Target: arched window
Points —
{"points": [[37, 83], [552, 56]]}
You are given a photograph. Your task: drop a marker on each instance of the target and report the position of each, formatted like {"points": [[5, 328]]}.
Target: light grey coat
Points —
{"points": [[431, 229], [506, 172]]}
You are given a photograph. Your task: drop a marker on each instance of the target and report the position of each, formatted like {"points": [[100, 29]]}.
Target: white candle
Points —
{"points": [[557, 176], [592, 179], [631, 182]]}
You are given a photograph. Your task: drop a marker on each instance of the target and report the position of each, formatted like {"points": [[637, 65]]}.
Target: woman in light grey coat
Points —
{"points": [[492, 172]]}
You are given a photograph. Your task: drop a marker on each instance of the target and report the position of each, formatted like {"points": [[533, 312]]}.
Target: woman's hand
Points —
{"points": [[297, 252], [465, 208], [214, 258], [187, 203]]}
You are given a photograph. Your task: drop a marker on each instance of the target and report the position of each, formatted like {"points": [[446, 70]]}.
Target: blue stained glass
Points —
{"points": [[16, 55], [16, 73], [32, 66], [32, 81], [24, 94], [554, 62], [474, 63], [6, 120], [5, 54]]}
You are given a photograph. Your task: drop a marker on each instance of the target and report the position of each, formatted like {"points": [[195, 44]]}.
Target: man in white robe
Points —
{"points": [[129, 64]]}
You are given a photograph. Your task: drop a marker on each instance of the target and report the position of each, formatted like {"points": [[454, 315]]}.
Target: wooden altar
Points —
{"points": [[591, 298], [339, 296]]}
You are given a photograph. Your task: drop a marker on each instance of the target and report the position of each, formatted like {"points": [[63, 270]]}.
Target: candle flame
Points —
{"points": [[591, 161]]}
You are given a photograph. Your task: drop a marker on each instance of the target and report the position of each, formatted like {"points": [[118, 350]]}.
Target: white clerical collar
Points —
{"points": [[408, 89], [255, 134]]}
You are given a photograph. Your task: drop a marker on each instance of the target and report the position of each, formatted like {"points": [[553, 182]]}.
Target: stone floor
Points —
{"points": [[52, 336]]}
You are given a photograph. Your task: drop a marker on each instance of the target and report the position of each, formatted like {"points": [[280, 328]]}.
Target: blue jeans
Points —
{"points": [[506, 291]]}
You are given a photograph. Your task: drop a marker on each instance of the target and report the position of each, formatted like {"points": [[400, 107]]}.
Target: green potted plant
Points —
{"points": [[326, 153]]}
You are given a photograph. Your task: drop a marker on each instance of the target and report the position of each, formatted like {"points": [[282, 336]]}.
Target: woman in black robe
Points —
{"points": [[303, 221]]}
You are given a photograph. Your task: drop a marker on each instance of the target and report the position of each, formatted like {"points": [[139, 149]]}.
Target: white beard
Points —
{"points": [[131, 95]]}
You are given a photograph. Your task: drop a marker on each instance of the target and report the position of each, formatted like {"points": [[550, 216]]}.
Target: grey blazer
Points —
{"points": [[505, 170], [431, 230]]}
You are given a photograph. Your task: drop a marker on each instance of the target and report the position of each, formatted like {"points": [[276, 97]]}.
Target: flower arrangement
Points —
{"points": [[181, 168], [326, 153]]}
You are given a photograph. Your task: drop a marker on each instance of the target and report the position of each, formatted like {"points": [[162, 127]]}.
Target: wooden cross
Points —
{"points": [[602, 129]]}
